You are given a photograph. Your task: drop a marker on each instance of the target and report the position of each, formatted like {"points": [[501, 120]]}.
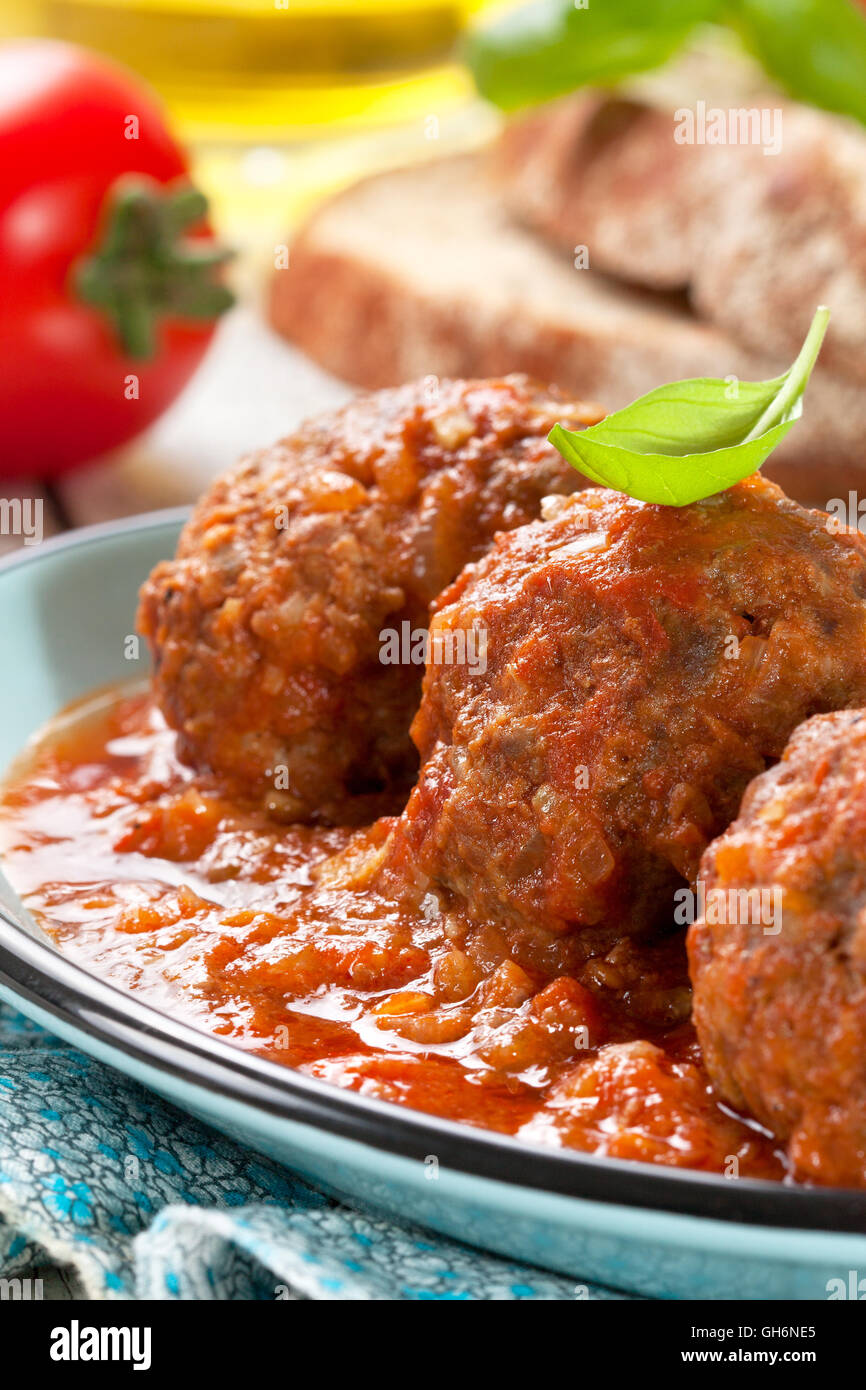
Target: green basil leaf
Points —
{"points": [[691, 439], [543, 50], [816, 49]]}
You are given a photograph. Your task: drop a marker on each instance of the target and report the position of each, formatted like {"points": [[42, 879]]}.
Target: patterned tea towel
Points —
{"points": [[138, 1200]]}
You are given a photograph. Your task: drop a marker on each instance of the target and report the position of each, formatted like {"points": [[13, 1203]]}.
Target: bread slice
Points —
{"points": [[421, 272], [758, 239]]}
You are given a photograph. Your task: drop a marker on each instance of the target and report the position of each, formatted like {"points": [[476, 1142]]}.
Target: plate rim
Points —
{"points": [[37, 972]]}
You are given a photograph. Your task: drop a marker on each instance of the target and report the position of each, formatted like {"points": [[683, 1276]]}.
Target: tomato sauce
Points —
{"points": [[151, 877]]}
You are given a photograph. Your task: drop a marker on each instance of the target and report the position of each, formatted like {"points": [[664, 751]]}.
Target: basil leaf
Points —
{"points": [[816, 49], [686, 441], [543, 50]]}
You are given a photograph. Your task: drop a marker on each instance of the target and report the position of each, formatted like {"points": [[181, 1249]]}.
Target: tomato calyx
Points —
{"points": [[145, 268]]}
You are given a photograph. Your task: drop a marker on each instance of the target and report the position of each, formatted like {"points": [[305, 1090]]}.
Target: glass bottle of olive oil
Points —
{"points": [[261, 69]]}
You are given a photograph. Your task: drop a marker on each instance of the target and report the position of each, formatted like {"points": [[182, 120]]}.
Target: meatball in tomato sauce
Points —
{"points": [[266, 629], [642, 664], [778, 961]]}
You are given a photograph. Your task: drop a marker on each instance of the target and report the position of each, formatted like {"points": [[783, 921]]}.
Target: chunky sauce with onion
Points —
{"points": [[149, 877]]}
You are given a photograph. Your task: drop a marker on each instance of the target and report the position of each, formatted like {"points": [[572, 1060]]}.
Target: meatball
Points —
{"points": [[778, 960], [267, 628], [642, 664]]}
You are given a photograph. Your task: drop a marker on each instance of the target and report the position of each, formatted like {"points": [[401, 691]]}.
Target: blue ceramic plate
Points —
{"points": [[65, 609]]}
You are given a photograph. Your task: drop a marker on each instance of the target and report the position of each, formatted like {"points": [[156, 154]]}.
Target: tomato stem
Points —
{"points": [[145, 268]]}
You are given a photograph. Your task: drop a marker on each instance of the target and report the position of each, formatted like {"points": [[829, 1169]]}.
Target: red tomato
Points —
{"points": [[108, 280]]}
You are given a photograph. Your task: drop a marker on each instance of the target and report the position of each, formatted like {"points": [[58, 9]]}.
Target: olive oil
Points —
{"points": [[266, 68]]}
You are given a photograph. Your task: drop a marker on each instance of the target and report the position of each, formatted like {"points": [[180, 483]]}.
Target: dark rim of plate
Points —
{"points": [[39, 975]]}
